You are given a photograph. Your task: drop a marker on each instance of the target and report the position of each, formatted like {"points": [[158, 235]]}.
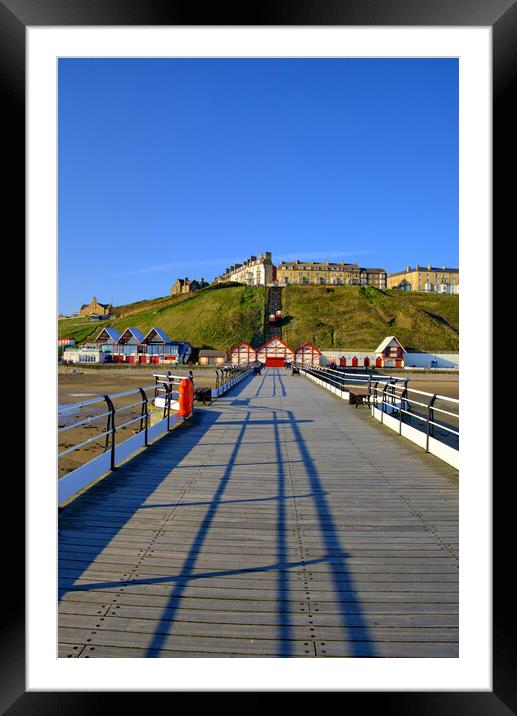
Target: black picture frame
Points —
{"points": [[501, 15]]}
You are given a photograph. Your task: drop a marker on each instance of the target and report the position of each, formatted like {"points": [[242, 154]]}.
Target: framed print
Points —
{"points": [[64, 70]]}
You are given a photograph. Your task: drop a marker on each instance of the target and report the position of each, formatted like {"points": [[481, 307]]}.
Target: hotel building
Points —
{"points": [[328, 273], [429, 279], [255, 271]]}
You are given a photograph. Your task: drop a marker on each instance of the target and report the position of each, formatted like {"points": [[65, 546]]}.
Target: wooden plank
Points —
{"points": [[283, 523]]}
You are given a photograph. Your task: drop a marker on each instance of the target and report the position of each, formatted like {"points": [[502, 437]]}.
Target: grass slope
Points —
{"points": [[330, 317], [342, 316], [79, 328], [216, 317]]}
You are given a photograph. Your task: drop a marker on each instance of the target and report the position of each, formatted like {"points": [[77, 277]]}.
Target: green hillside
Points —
{"points": [[221, 316], [81, 329], [360, 317], [216, 317]]}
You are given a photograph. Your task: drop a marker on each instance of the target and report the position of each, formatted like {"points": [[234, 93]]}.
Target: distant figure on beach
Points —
{"points": [[191, 376]]}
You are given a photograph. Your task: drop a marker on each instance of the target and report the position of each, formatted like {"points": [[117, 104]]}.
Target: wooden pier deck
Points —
{"points": [[280, 522]]}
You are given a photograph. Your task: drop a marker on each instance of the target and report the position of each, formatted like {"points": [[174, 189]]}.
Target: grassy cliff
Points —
{"points": [[360, 317], [221, 316], [216, 317]]}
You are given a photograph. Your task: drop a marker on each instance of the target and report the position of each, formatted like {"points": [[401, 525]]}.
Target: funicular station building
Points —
{"points": [[307, 354], [275, 353], [243, 353]]}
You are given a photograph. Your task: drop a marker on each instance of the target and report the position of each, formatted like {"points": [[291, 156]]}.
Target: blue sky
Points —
{"points": [[178, 167]]}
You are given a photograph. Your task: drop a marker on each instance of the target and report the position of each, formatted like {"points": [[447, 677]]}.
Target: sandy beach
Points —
{"points": [[442, 383], [85, 385]]}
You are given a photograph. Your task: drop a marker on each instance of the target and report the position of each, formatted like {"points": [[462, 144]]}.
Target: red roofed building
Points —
{"points": [[391, 352], [274, 353], [243, 353], [307, 354]]}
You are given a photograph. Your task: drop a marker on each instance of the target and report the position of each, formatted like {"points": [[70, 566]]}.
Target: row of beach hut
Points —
{"points": [[275, 353], [155, 347]]}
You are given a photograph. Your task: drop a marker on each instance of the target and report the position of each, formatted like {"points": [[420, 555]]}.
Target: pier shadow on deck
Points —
{"points": [[351, 611], [261, 425]]}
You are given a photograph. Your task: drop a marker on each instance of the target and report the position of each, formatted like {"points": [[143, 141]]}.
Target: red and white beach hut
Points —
{"points": [[307, 354], [274, 353], [391, 353], [243, 353]]}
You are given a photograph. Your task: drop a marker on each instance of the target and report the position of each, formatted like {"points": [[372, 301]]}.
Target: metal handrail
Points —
{"points": [[86, 442], [356, 376], [226, 373], [163, 383], [83, 422], [341, 378], [64, 408], [392, 394]]}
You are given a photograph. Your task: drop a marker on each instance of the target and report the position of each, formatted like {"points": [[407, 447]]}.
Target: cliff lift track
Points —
{"points": [[273, 304]]}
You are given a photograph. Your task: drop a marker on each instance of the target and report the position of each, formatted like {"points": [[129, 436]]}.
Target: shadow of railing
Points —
{"points": [[261, 384], [82, 521], [351, 613], [84, 532], [82, 513], [282, 386], [186, 573], [283, 621]]}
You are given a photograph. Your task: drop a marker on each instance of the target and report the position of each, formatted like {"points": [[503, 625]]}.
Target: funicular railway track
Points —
{"points": [[273, 328]]}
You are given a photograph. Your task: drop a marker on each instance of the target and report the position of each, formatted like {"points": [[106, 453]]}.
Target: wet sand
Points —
{"points": [[442, 383], [85, 385]]}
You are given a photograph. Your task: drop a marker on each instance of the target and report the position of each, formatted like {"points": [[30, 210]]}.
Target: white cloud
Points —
{"points": [[222, 263], [177, 265]]}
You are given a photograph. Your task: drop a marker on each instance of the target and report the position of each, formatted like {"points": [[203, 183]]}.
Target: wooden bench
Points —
{"points": [[203, 395], [358, 397]]}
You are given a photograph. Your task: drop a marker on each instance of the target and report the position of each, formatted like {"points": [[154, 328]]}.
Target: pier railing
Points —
{"points": [[121, 423], [227, 376], [344, 380], [430, 420]]}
